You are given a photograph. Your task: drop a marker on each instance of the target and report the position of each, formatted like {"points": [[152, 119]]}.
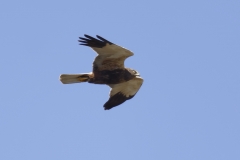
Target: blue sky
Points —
{"points": [[188, 108]]}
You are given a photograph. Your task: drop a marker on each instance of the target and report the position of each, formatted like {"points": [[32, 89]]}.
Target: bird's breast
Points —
{"points": [[111, 76]]}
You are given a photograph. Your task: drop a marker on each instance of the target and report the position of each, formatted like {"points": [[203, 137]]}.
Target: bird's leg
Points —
{"points": [[91, 75], [83, 78]]}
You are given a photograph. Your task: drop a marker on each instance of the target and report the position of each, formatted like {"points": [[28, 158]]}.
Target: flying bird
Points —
{"points": [[108, 68]]}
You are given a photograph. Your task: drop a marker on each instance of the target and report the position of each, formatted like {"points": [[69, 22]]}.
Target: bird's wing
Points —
{"points": [[122, 92], [110, 56]]}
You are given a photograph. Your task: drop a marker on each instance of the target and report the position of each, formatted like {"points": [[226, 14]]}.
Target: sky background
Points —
{"points": [[188, 53]]}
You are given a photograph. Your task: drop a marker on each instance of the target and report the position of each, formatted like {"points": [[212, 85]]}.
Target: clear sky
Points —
{"points": [[188, 53]]}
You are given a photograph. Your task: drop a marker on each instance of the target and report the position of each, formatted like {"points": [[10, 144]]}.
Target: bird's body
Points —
{"points": [[111, 76], [109, 69]]}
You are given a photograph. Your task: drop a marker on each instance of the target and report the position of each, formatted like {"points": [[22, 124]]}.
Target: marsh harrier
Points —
{"points": [[109, 69]]}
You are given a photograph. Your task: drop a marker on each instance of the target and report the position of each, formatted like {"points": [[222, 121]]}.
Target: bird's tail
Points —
{"points": [[74, 78]]}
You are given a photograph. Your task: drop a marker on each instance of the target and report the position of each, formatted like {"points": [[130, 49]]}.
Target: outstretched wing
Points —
{"points": [[122, 92], [110, 56]]}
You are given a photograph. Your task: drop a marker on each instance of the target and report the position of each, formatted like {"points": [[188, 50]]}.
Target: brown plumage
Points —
{"points": [[109, 69]]}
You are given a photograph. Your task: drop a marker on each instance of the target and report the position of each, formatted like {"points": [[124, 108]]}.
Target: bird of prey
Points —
{"points": [[108, 68]]}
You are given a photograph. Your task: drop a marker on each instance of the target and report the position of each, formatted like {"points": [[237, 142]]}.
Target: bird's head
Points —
{"points": [[134, 72]]}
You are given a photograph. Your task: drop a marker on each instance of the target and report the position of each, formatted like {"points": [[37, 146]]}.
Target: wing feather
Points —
{"points": [[122, 92], [110, 56]]}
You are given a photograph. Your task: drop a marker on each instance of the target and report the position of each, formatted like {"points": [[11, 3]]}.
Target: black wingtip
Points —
{"points": [[103, 39], [116, 100], [93, 42]]}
